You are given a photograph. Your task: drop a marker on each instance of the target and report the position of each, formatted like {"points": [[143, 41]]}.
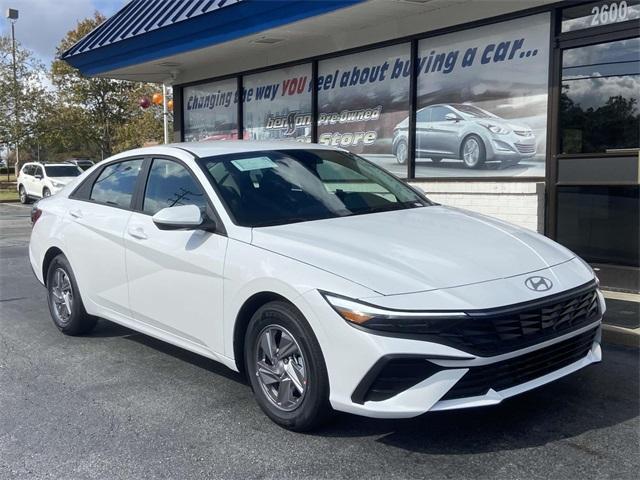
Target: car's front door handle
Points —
{"points": [[137, 232], [76, 213]]}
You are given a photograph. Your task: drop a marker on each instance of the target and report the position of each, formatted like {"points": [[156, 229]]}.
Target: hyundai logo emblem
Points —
{"points": [[538, 284]]}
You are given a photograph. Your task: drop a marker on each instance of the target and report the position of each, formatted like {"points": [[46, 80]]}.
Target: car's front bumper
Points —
{"points": [[510, 147], [355, 359]]}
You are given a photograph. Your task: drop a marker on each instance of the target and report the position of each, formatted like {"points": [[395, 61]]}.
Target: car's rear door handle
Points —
{"points": [[75, 213], [137, 232]]}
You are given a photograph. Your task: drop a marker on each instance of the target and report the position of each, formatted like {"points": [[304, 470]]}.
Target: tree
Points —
{"points": [[145, 126], [25, 102], [100, 114]]}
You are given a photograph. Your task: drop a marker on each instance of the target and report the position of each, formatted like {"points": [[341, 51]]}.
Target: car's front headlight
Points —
{"points": [[496, 129], [398, 321]]}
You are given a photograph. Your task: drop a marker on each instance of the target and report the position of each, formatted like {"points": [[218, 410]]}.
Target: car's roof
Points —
{"points": [[223, 147], [43, 164]]}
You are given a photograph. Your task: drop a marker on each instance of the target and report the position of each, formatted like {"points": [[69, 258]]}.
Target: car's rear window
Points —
{"points": [[62, 170]]}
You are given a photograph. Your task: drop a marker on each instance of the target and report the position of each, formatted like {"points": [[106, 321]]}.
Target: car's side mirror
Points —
{"points": [[182, 217], [451, 117], [38, 176]]}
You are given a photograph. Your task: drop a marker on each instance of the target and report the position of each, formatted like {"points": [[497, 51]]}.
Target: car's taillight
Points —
{"points": [[35, 215]]}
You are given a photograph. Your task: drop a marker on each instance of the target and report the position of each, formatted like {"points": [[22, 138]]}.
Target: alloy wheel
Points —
{"points": [[471, 152], [280, 368], [62, 295], [401, 153]]}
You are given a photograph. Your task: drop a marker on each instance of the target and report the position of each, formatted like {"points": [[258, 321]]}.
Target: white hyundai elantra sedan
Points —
{"points": [[327, 281]]}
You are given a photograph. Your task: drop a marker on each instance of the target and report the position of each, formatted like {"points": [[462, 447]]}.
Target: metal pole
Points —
{"points": [[165, 113], [16, 107]]}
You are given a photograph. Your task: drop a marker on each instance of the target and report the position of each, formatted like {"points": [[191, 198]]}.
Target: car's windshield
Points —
{"points": [[62, 170], [287, 186], [472, 111]]}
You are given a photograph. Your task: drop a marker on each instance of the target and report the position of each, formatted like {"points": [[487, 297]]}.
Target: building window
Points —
{"points": [[600, 223], [599, 109], [277, 104], [482, 101], [596, 14], [363, 105], [211, 111]]}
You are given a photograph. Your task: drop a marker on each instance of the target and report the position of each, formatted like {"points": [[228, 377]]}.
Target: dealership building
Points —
{"points": [[523, 110]]}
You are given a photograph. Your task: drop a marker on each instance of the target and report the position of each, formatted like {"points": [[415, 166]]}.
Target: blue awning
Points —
{"points": [[146, 30]]}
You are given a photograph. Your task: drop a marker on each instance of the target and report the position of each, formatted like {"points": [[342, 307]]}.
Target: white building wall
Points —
{"points": [[520, 203]]}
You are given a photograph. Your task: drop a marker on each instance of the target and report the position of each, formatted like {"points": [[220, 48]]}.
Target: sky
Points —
{"points": [[43, 23]]}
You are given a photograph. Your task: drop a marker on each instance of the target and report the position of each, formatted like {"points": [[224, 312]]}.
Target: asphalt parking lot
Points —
{"points": [[117, 404]]}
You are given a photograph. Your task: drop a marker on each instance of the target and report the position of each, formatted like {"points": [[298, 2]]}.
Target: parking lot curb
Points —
{"points": [[628, 337]]}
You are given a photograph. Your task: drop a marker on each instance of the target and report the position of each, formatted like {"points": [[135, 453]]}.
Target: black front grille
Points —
{"points": [[516, 371], [497, 331]]}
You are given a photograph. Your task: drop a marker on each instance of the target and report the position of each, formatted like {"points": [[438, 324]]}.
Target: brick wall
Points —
{"points": [[521, 203]]}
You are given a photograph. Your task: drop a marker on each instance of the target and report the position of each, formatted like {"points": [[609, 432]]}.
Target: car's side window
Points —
{"points": [[171, 184], [438, 114], [423, 115], [37, 171], [116, 183], [28, 170]]}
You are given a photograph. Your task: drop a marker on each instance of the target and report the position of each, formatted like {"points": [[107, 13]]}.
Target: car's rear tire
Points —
{"points": [[46, 192], [473, 152], [282, 355], [65, 304], [24, 198], [402, 152]]}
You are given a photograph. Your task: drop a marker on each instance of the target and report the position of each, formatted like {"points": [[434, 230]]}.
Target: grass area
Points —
{"points": [[8, 188], [6, 194], [3, 177]]}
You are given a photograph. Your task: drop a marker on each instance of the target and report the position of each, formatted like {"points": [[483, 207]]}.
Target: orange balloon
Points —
{"points": [[157, 98], [170, 105]]}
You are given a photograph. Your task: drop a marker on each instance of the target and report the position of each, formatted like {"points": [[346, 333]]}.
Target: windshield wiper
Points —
{"points": [[388, 208]]}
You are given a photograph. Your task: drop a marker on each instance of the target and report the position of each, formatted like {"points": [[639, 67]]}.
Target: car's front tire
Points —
{"points": [[402, 152], [46, 192], [286, 368], [473, 152], [65, 305], [24, 198]]}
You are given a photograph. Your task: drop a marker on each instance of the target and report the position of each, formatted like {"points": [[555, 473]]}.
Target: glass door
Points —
{"points": [[594, 192]]}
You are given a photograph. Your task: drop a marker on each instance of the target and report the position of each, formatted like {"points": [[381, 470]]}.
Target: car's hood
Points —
{"points": [[500, 122], [414, 250]]}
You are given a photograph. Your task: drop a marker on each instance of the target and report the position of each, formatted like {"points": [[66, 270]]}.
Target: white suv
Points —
{"points": [[38, 180]]}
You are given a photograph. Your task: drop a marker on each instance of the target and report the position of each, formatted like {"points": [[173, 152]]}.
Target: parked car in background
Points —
{"points": [[3, 163], [464, 132], [327, 281], [82, 163], [40, 180]]}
